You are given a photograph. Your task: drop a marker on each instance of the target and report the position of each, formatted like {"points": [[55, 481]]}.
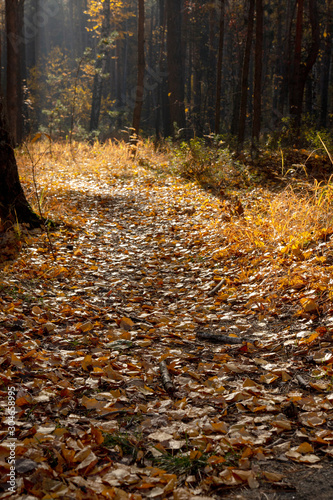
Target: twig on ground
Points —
{"points": [[302, 382], [166, 379], [216, 289], [219, 338]]}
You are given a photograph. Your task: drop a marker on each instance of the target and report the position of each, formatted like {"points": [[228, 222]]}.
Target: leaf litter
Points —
{"points": [[126, 384]]}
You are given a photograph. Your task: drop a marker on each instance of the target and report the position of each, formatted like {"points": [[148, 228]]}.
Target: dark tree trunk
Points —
{"points": [[296, 96], [219, 70], [14, 91], [163, 109], [285, 57], [100, 68], [141, 68], [256, 123], [197, 97], [13, 203], [245, 74], [175, 67], [211, 70], [326, 67], [301, 70]]}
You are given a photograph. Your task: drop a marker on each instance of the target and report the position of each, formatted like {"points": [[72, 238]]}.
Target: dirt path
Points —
{"points": [[82, 339]]}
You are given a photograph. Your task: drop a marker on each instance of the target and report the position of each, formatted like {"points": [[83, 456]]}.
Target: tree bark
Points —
{"points": [[258, 74], [14, 91], [100, 68], [211, 69], [219, 70], [326, 66], [301, 70], [13, 203], [245, 74], [141, 68], [197, 94], [163, 109], [175, 66], [296, 96]]}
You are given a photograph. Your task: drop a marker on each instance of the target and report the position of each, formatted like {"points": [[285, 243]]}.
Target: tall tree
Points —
{"points": [[13, 203], [211, 68], [163, 109], [257, 74], [175, 63], [100, 67], [219, 69], [326, 64], [14, 19], [245, 73], [141, 68], [301, 69]]}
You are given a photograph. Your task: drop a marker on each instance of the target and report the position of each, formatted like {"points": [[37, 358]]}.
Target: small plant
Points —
{"points": [[51, 458], [124, 444], [195, 159], [183, 464]]}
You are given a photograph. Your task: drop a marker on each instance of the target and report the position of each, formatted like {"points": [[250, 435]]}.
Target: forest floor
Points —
{"points": [[233, 292]]}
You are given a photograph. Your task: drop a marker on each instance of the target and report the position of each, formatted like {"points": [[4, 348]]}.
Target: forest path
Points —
{"points": [[82, 338]]}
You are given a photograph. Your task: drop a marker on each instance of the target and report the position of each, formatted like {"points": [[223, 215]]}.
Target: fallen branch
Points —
{"points": [[219, 338], [302, 382], [166, 379], [216, 288]]}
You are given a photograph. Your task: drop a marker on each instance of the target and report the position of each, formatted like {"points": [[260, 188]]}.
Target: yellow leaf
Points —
{"points": [[305, 448], [309, 305], [16, 361], [87, 362], [282, 424], [86, 327], [219, 427], [92, 403], [273, 476], [97, 435], [312, 337], [37, 136], [126, 324], [36, 311], [268, 378]]}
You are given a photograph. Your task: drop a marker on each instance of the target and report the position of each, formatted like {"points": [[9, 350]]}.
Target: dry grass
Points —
{"points": [[282, 221], [60, 168], [272, 221]]}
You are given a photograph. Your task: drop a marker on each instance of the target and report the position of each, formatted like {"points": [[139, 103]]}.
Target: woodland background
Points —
{"points": [[245, 69]]}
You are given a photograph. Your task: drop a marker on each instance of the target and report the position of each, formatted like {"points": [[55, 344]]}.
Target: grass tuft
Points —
{"points": [[183, 464]]}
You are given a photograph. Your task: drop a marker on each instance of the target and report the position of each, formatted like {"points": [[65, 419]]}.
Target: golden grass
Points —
{"points": [[272, 221], [281, 221]]}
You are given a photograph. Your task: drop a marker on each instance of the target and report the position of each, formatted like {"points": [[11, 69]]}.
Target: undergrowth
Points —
{"points": [[285, 221], [183, 464]]}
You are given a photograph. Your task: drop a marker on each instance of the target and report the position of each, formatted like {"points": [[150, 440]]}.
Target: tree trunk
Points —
{"points": [[284, 56], [296, 97], [301, 70], [245, 74], [163, 109], [141, 68], [326, 67], [100, 68], [219, 70], [211, 70], [13, 203], [14, 91], [175, 67], [258, 74], [197, 94]]}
